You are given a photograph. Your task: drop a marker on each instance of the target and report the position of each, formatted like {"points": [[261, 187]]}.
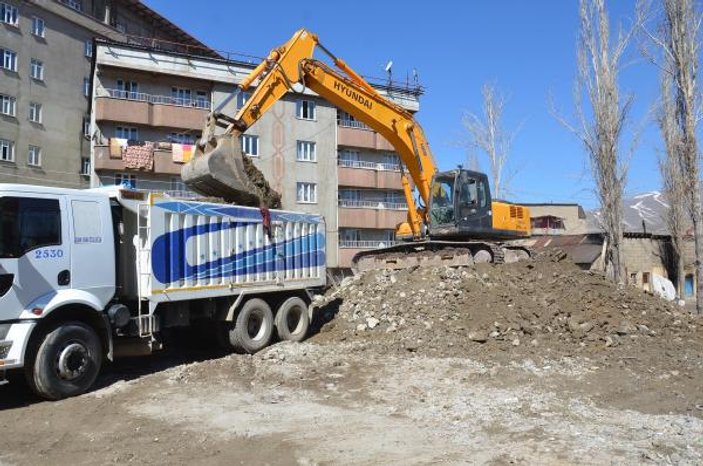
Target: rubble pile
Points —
{"points": [[532, 307]]}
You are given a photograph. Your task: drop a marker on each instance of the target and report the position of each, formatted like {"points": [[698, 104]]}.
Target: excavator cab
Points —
{"points": [[460, 202]]}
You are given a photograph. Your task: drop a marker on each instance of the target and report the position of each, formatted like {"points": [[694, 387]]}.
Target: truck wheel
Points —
{"points": [[253, 328], [292, 320], [67, 362]]}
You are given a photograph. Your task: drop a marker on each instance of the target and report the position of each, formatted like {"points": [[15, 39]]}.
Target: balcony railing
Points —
{"points": [[366, 244], [373, 205], [158, 99], [369, 165], [352, 124]]}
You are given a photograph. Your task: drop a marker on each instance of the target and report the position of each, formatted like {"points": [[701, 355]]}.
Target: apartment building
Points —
{"points": [[149, 106], [46, 49]]}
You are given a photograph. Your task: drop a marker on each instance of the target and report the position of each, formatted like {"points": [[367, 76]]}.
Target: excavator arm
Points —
{"points": [[218, 169]]}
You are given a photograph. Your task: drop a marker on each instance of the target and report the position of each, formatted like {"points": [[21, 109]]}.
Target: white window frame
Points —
{"points": [[202, 100], [131, 179], [88, 48], [38, 26], [250, 145], [36, 69], [74, 4], [86, 87], [34, 156], [35, 112], [7, 150], [306, 192], [182, 138], [85, 166], [129, 133], [86, 126], [8, 105], [9, 59], [306, 151], [9, 14], [242, 98], [181, 95], [305, 109]]}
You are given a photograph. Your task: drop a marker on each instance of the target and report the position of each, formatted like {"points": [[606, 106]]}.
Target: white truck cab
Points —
{"points": [[83, 270]]}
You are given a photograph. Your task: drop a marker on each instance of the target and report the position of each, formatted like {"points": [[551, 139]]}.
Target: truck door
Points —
{"points": [[34, 251], [473, 202]]}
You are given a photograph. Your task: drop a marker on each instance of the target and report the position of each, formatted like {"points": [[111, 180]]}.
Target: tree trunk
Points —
{"points": [[698, 241], [680, 275]]}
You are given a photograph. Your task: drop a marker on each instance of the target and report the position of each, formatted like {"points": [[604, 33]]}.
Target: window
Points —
{"points": [[86, 127], [350, 235], [7, 150], [28, 223], [85, 167], [181, 138], [36, 69], [125, 132], [201, 99], [127, 89], [181, 96], [9, 14], [391, 161], [349, 196], [74, 4], [307, 193], [121, 27], [86, 87], [9, 59], [307, 151], [34, 156], [88, 49], [305, 109], [35, 112], [345, 119], [242, 98], [128, 180], [250, 145], [38, 26], [178, 185], [8, 105]]}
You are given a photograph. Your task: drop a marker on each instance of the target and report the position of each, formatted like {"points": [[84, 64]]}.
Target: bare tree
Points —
{"points": [[678, 40], [600, 129], [673, 178], [487, 133]]}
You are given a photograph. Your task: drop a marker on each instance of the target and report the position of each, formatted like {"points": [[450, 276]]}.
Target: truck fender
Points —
{"points": [[43, 307]]}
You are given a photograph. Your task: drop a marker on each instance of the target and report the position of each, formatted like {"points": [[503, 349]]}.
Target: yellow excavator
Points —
{"points": [[456, 223]]}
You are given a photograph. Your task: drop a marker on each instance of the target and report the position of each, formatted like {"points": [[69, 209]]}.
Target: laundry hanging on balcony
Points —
{"points": [[181, 153], [117, 146], [139, 157]]}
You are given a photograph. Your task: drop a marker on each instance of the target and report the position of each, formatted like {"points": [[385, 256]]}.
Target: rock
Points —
{"points": [[372, 322], [626, 327], [477, 336], [516, 342], [361, 327]]}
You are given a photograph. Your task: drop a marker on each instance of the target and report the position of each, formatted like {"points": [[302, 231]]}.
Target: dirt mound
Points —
{"points": [[268, 196], [542, 307]]}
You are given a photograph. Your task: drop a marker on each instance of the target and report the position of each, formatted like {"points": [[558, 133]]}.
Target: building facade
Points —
{"points": [[46, 50], [319, 158]]}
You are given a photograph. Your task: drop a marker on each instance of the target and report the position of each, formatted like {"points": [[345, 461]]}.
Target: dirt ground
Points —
{"points": [[525, 364]]}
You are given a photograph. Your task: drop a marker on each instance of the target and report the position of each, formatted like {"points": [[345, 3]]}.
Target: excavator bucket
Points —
{"points": [[220, 169]]}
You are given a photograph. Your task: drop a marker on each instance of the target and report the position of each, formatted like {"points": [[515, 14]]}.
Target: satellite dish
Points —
{"points": [[389, 66]]}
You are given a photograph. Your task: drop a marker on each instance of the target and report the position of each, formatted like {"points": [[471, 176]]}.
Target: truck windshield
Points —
{"points": [[28, 223]]}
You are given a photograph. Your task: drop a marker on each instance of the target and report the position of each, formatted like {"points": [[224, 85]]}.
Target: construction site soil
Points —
{"points": [[528, 363]]}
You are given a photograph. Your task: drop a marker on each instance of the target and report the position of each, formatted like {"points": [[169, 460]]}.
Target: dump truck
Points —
{"points": [[88, 275], [454, 220]]}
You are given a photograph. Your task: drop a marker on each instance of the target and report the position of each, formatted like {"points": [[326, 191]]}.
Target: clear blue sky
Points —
{"points": [[527, 48]]}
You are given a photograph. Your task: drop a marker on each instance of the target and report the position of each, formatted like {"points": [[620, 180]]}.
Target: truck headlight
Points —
{"points": [[4, 330]]}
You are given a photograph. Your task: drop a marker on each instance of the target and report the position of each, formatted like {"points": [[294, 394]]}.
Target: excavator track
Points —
{"points": [[439, 253]]}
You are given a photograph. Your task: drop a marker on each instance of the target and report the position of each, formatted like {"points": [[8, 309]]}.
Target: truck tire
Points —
{"points": [[67, 362], [292, 320], [253, 328]]}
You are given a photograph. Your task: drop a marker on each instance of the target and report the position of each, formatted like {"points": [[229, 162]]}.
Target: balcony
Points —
{"points": [[163, 162], [151, 110], [362, 174], [361, 137], [368, 214]]}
